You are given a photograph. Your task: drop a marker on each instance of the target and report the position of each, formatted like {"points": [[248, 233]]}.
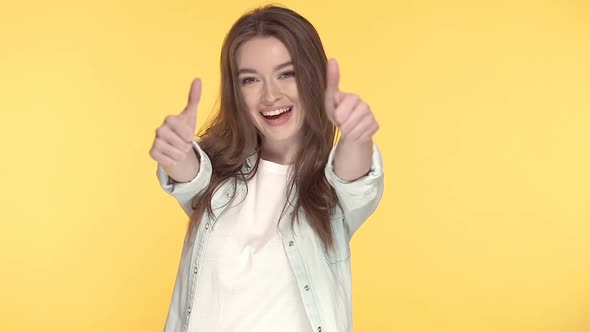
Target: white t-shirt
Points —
{"points": [[245, 281]]}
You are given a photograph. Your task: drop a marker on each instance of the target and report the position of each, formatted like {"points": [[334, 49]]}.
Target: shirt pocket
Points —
{"points": [[341, 250]]}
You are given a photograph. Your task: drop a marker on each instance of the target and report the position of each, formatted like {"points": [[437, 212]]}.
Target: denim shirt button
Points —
{"points": [[306, 287], [291, 243], [207, 226], [195, 270], [319, 329]]}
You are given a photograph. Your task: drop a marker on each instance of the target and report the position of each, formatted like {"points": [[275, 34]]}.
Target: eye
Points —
{"points": [[248, 80], [287, 74]]}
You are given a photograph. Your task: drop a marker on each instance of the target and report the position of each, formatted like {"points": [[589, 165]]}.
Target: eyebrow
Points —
{"points": [[252, 71]]}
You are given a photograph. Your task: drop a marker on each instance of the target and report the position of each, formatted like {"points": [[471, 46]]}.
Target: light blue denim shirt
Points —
{"points": [[323, 277]]}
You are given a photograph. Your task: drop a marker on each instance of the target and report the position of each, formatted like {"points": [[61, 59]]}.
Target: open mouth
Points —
{"points": [[277, 114], [277, 117]]}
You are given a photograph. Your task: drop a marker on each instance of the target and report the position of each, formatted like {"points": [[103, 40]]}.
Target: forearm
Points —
{"points": [[352, 160], [184, 170]]}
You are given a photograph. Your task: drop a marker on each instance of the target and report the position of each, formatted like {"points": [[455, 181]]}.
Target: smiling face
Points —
{"points": [[266, 77]]}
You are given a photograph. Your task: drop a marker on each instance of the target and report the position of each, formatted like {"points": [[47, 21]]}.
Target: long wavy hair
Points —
{"points": [[230, 136]]}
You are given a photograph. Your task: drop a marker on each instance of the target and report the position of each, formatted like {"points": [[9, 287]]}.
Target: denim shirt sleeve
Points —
{"points": [[359, 198], [185, 191]]}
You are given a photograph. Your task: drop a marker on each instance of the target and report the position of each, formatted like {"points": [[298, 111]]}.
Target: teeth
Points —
{"points": [[276, 112]]}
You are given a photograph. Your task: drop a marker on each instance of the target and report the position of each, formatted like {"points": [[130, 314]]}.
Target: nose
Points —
{"points": [[271, 93]]}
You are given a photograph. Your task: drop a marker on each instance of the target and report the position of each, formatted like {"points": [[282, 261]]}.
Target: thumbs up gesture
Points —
{"points": [[347, 110], [357, 124], [172, 147]]}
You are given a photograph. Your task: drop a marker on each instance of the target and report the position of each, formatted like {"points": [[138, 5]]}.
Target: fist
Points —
{"points": [[348, 111], [173, 141]]}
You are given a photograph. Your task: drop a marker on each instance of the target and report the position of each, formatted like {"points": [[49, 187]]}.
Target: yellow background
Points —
{"points": [[484, 110]]}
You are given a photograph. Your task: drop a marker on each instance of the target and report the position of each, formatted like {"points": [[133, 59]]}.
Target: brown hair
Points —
{"points": [[231, 137]]}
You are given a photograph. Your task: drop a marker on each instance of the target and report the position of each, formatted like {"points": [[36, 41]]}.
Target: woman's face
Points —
{"points": [[267, 82]]}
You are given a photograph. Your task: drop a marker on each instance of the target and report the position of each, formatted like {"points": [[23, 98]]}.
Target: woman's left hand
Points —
{"points": [[347, 110]]}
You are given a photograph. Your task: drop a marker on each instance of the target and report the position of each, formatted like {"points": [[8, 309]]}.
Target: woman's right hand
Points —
{"points": [[173, 145]]}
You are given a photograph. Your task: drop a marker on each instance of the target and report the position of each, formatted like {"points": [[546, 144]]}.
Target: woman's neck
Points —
{"points": [[279, 152]]}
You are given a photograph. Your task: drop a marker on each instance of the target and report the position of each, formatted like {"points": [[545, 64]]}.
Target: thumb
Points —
{"points": [[332, 90], [189, 115]]}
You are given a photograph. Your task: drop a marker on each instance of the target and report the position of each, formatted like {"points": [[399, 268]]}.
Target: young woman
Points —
{"points": [[272, 203]]}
